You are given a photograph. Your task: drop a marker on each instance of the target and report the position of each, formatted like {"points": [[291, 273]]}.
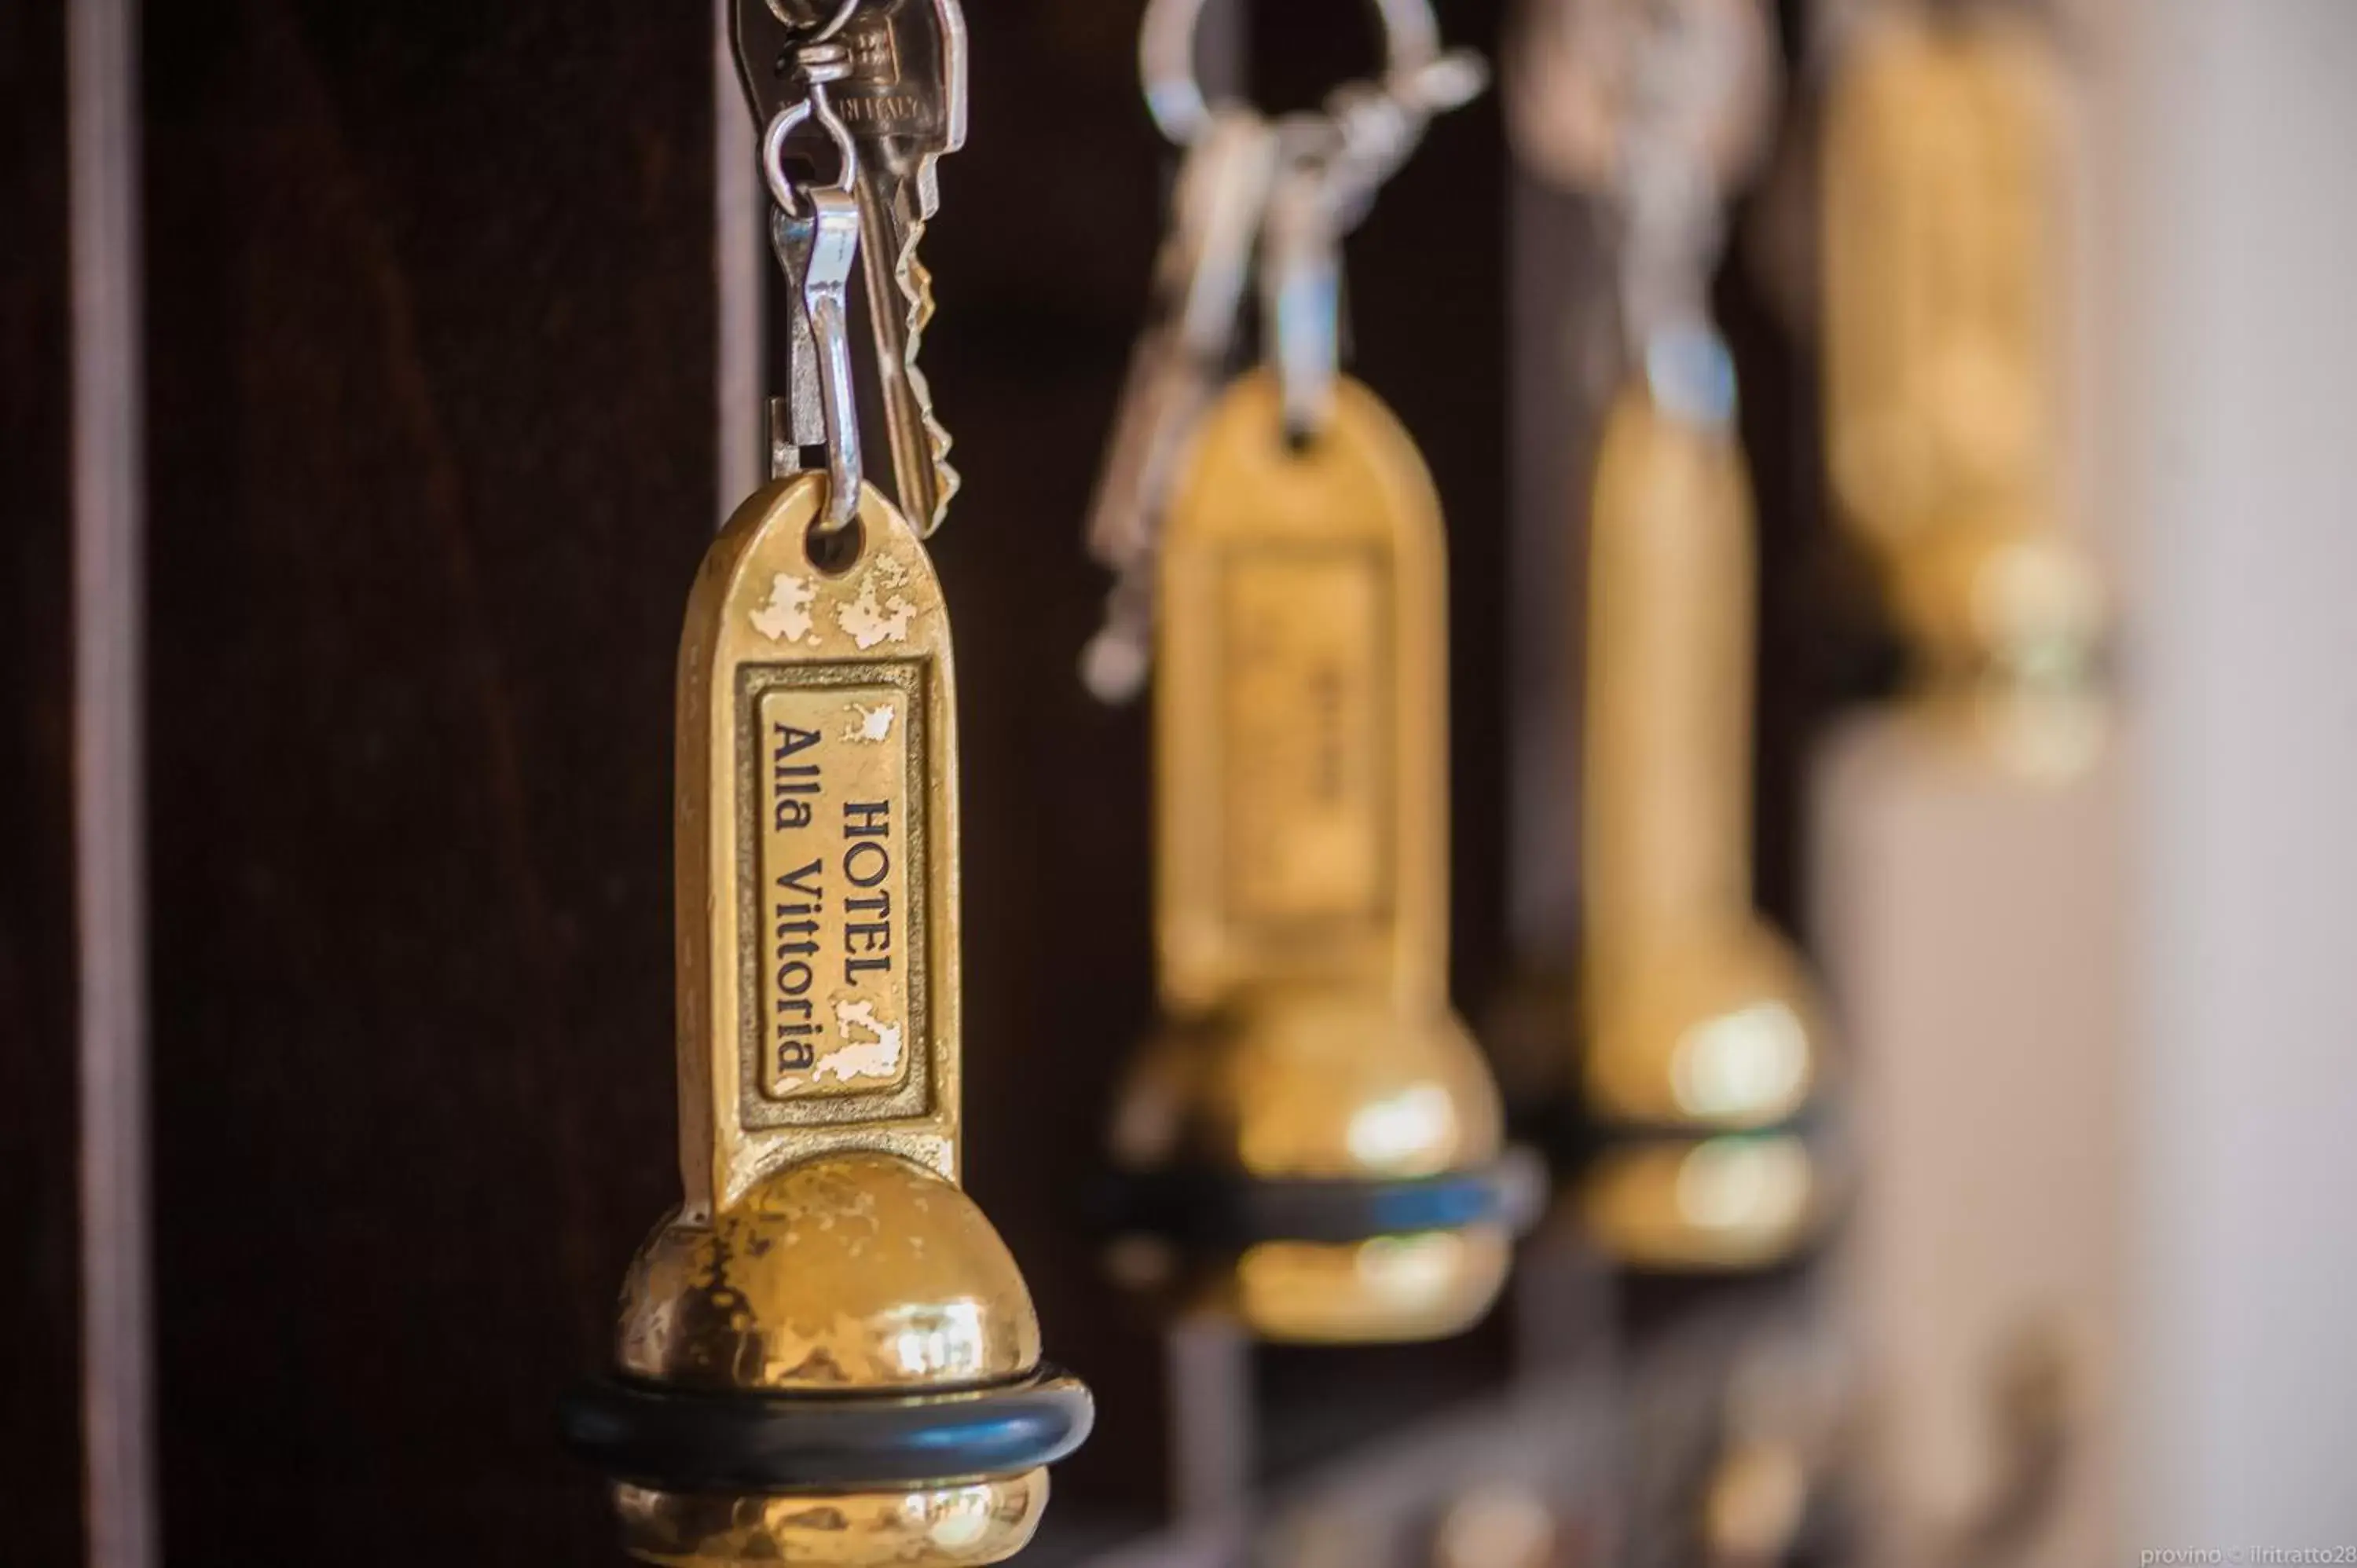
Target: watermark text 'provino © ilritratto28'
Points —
{"points": [[2242, 1556]]}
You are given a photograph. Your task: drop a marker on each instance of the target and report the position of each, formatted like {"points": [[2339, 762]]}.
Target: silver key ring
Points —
{"points": [[1165, 52], [828, 29]]}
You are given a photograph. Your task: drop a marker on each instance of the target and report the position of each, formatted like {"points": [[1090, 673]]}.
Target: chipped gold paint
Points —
{"points": [[975, 1522], [770, 636], [852, 1273], [824, 1246]]}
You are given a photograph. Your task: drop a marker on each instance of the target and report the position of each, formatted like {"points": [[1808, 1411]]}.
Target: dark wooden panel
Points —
{"points": [[432, 335], [40, 1461], [433, 356]]}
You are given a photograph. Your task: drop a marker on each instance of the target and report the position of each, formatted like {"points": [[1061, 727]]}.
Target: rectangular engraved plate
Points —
{"points": [[1306, 704], [830, 789]]}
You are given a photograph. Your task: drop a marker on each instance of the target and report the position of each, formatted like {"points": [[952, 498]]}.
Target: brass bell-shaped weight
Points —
{"points": [[826, 1355], [1946, 259], [1314, 1127], [1699, 1018]]}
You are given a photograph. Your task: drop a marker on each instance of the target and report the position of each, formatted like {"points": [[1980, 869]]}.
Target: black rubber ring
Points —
{"points": [[1218, 1209], [765, 1444]]}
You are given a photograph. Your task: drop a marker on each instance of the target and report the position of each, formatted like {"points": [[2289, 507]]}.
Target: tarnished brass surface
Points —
{"points": [[1698, 1014], [807, 701], [1946, 268], [823, 1247], [949, 1526], [1734, 1203], [850, 1273], [1302, 756]]}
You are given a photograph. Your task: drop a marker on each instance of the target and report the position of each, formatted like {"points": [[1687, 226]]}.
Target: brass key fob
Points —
{"points": [[1947, 276], [1315, 1110], [1700, 1018], [826, 1355], [1702, 1037], [1313, 1139], [1698, 1012]]}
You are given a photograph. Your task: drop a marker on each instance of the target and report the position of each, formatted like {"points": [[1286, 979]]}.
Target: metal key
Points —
{"points": [[913, 115], [903, 98], [1217, 210]]}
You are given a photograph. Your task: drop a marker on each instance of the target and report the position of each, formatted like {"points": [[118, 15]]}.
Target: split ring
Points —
{"points": [[1174, 92], [834, 24]]}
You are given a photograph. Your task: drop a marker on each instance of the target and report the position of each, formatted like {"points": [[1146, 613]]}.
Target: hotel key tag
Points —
{"points": [[1314, 1128], [1946, 270], [1301, 720], [1699, 1020], [1705, 1037], [826, 1354]]}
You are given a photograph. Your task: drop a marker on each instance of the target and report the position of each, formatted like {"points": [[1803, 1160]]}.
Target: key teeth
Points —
{"points": [[916, 283]]}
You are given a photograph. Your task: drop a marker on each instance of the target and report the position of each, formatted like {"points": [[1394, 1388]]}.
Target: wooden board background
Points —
{"points": [[40, 1424], [432, 336]]}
